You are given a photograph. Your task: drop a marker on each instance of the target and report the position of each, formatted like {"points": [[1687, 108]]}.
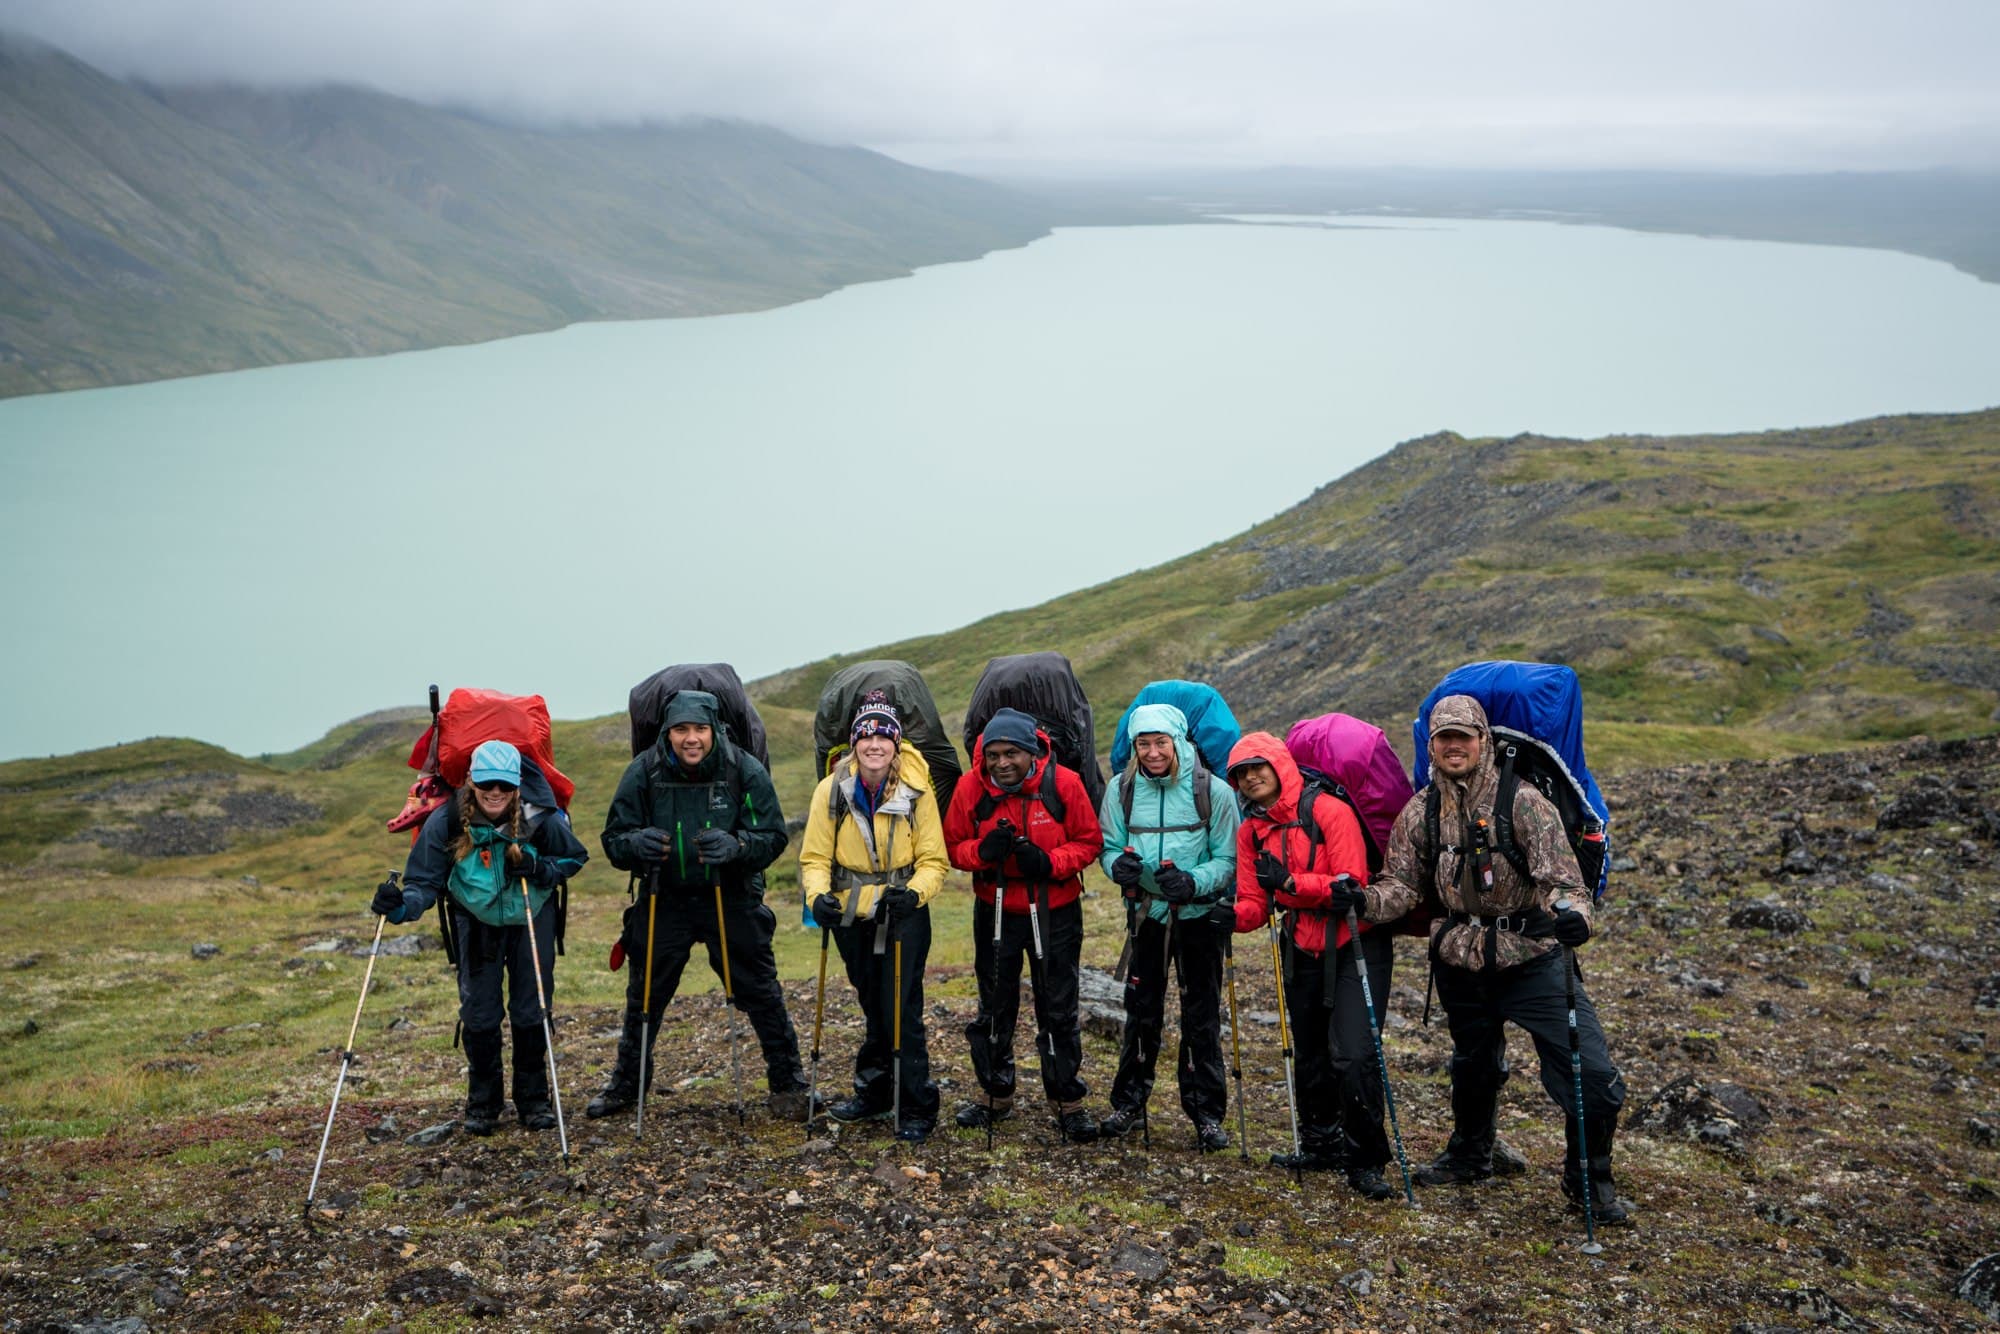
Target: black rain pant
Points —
{"points": [[1339, 1085], [1053, 981], [1195, 949], [874, 979], [684, 919]]}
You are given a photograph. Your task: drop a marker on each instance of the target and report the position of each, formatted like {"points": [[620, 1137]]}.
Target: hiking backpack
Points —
{"points": [[1535, 712], [915, 707], [648, 704], [1043, 686], [1352, 760], [1211, 726]]}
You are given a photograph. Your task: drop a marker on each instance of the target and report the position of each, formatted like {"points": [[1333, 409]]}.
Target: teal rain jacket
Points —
{"points": [[1163, 810]]}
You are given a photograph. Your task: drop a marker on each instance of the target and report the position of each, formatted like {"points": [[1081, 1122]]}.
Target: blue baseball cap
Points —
{"points": [[496, 762]]}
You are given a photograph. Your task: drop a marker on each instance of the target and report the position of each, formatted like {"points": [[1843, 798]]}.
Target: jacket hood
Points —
{"points": [[691, 706], [1262, 746], [1170, 720]]}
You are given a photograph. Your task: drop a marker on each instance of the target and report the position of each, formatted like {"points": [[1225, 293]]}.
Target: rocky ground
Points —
{"points": [[1798, 975]]}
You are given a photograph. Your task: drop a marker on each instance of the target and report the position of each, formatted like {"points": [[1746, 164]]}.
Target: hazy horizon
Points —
{"points": [[1048, 87]]}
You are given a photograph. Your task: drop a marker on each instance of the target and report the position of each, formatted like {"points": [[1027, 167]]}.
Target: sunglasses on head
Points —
{"points": [[496, 785]]}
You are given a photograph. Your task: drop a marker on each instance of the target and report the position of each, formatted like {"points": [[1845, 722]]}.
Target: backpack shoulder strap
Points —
{"points": [[1125, 784], [1433, 841], [1204, 800], [1051, 799], [1503, 816]]}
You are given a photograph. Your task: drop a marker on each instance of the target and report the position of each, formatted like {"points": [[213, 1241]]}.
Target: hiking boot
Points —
{"points": [[621, 1092], [1445, 1170], [1367, 1182], [856, 1109], [801, 1105], [1606, 1205], [977, 1115], [1122, 1122], [1077, 1126], [912, 1131], [1210, 1137], [1308, 1160]]}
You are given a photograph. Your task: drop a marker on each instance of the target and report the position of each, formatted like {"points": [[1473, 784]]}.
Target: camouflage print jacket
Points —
{"points": [[1539, 832]]}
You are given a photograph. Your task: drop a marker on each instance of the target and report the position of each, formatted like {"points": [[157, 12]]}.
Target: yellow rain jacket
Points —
{"points": [[903, 844]]}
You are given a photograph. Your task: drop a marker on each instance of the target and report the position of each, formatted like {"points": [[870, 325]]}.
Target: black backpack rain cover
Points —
{"points": [[915, 707], [649, 703], [1043, 686]]}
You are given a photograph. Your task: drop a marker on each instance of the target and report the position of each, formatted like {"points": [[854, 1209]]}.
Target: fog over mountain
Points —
{"points": [[1792, 84]]}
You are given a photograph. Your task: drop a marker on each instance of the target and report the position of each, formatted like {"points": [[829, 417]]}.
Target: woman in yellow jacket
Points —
{"points": [[872, 858]]}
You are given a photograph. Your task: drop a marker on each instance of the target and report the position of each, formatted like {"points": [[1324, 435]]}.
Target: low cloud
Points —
{"points": [[1790, 83]]}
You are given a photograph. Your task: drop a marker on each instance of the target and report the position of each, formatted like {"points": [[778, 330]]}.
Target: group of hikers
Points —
{"points": [[1202, 850]]}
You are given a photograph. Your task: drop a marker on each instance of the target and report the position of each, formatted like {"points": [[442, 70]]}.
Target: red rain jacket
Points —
{"points": [[1277, 831], [1072, 844]]}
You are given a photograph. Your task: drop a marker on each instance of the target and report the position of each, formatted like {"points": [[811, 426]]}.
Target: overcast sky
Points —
{"points": [[1803, 84]]}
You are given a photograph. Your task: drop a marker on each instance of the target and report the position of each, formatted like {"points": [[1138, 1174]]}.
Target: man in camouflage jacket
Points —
{"points": [[1500, 946]]}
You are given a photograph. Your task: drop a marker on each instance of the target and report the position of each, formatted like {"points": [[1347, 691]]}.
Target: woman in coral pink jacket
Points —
{"points": [[1286, 862]]}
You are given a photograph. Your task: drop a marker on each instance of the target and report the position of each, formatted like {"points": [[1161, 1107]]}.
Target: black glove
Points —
{"points": [[1346, 895], [1126, 869], [541, 874], [388, 899], [647, 845], [713, 847], [999, 841], [898, 904], [826, 910], [1034, 863], [1175, 885], [1271, 873], [1222, 915], [1571, 927]]}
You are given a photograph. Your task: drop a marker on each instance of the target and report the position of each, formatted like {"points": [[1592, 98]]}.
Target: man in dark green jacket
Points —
{"points": [[693, 811]]}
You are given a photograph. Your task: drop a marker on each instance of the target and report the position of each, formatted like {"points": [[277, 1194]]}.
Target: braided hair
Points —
{"points": [[468, 810]]}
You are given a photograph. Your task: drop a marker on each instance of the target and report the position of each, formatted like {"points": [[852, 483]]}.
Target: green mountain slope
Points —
{"points": [[1722, 597], [147, 233]]}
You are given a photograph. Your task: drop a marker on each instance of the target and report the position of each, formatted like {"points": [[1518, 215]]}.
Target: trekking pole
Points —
{"points": [[1590, 1246], [896, 1039], [1285, 1043], [1381, 1062], [346, 1059], [819, 1018], [729, 997], [646, 998], [993, 1014], [1236, 1045], [548, 1037]]}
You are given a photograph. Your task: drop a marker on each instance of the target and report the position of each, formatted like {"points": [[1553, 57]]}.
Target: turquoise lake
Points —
{"points": [[251, 558]]}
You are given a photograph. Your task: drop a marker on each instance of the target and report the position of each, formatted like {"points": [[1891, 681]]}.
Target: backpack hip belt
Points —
{"points": [[1528, 922], [845, 877]]}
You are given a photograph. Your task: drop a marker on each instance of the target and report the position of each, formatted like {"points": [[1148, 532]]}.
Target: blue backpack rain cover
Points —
{"points": [[1211, 726], [1537, 709]]}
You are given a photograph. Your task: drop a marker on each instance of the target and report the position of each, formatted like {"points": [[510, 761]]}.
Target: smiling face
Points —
{"points": [[1155, 753], [691, 742], [872, 755], [1257, 782], [496, 800], [1455, 752], [1006, 763]]}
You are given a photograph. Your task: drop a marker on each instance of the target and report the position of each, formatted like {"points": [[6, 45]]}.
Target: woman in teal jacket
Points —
{"points": [[1173, 854]]}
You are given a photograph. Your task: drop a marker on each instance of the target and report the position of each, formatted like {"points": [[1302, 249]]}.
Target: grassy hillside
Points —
{"points": [[170, 231], [1721, 596]]}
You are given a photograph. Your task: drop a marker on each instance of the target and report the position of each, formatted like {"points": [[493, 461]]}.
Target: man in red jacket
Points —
{"points": [[1024, 826], [1287, 860]]}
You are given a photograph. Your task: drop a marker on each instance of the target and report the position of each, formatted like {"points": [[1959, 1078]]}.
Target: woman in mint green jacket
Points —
{"points": [[1170, 845]]}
